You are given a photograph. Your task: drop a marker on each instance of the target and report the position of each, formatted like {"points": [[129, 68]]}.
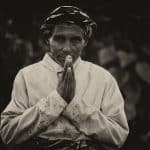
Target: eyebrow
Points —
{"points": [[77, 37], [59, 36], [62, 36]]}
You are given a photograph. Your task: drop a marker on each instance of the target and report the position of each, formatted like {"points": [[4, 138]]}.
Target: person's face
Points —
{"points": [[66, 40]]}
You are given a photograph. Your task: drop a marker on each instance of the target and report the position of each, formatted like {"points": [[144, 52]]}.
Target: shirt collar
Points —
{"points": [[52, 65]]}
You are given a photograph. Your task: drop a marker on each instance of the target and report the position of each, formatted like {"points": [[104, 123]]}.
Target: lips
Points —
{"points": [[63, 56]]}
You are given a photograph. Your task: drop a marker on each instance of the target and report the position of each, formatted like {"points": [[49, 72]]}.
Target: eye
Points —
{"points": [[76, 40], [59, 38]]}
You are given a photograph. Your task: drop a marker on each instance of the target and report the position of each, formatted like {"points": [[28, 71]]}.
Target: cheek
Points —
{"points": [[55, 47], [79, 49]]}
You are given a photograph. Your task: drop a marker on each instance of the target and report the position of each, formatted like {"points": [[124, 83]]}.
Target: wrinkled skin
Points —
{"points": [[66, 45], [66, 40], [67, 83]]}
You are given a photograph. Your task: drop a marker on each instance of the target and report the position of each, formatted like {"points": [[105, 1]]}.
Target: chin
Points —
{"points": [[61, 60], [61, 63]]}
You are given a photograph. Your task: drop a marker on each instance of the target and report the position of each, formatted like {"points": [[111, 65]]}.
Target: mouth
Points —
{"points": [[63, 57], [61, 60]]}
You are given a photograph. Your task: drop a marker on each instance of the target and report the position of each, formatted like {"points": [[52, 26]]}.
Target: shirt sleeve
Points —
{"points": [[108, 125], [19, 122]]}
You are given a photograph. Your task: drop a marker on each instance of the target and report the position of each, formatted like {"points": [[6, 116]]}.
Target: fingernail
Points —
{"points": [[69, 69], [69, 58]]}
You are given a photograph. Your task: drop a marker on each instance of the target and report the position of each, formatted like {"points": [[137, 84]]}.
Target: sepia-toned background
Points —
{"points": [[121, 44]]}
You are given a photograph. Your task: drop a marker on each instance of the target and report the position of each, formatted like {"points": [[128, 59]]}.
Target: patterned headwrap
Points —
{"points": [[68, 14]]}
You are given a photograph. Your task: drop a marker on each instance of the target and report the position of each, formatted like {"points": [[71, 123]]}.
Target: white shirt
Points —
{"points": [[36, 108]]}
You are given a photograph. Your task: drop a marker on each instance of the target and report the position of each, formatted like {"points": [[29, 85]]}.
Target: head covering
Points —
{"points": [[68, 14]]}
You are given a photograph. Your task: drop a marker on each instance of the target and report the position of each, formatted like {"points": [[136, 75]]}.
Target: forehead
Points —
{"points": [[68, 29]]}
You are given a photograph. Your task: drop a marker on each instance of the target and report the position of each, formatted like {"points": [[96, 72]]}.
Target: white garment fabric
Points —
{"points": [[36, 108]]}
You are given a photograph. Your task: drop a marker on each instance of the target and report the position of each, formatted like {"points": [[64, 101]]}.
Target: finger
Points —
{"points": [[67, 78], [65, 86], [72, 83], [69, 58], [68, 62], [66, 74], [72, 70], [70, 76], [71, 89], [67, 83]]}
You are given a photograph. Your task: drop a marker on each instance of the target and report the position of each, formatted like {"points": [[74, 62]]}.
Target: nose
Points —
{"points": [[67, 46]]}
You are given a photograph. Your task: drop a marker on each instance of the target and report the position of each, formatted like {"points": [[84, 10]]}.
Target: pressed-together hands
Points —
{"points": [[67, 83]]}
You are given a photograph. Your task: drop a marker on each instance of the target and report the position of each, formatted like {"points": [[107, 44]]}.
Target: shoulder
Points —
{"points": [[30, 70], [33, 69], [98, 72]]}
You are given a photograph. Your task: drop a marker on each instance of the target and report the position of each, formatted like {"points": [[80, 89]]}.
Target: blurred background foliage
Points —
{"points": [[121, 44]]}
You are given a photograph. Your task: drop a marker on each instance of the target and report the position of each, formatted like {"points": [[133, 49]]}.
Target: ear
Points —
{"points": [[85, 42], [46, 41]]}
